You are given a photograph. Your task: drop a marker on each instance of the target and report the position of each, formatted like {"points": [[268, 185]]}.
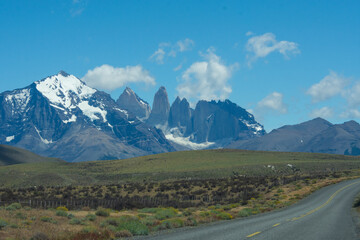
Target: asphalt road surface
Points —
{"points": [[324, 215]]}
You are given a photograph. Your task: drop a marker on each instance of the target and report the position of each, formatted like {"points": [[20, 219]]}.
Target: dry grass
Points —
{"points": [[22, 223]]}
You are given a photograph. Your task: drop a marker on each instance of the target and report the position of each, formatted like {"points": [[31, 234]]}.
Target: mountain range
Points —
{"points": [[60, 116]]}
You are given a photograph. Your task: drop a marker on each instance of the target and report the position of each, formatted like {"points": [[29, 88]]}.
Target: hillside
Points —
{"points": [[12, 155], [204, 164]]}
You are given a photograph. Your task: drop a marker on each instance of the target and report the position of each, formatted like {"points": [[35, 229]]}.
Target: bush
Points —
{"points": [[148, 210], [224, 216], [63, 208], [91, 217], [13, 206], [149, 221], [3, 224], [173, 223], [76, 221], [129, 223], [245, 212], [46, 219], [134, 226], [61, 213], [165, 213], [20, 215], [102, 212]]}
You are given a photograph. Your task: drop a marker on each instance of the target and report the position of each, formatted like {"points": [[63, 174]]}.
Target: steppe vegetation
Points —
{"points": [[129, 198]]}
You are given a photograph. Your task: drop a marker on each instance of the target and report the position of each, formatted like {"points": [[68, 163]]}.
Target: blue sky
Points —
{"points": [[285, 61]]}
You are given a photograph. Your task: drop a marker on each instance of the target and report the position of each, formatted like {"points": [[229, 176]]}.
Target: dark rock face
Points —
{"points": [[60, 116], [214, 121], [180, 114], [161, 107], [131, 102]]}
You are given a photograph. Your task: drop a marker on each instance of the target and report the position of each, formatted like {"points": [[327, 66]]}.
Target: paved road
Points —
{"points": [[326, 214]]}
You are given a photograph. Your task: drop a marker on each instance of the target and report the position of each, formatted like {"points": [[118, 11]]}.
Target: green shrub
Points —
{"points": [[13, 225], [165, 213], [76, 221], [245, 212], [129, 223], [3, 224], [89, 229], [61, 213], [13, 206], [173, 223], [149, 221], [148, 210], [20, 215], [224, 216], [91, 217], [70, 216], [102, 212], [187, 213], [205, 214], [134, 226], [45, 219]]}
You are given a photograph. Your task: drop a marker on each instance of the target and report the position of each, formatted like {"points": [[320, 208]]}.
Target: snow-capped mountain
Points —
{"points": [[60, 116]]}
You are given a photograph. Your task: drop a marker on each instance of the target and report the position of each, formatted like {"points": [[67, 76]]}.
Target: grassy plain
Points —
{"points": [[204, 164]]}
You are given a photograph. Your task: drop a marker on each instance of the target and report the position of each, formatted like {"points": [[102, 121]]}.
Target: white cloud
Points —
{"points": [[158, 56], [263, 45], [274, 102], [324, 112], [353, 95], [351, 113], [249, 33], [107, 77], [206, 80], [185, 45], [171, 50], [178, 67], [330, 86]]}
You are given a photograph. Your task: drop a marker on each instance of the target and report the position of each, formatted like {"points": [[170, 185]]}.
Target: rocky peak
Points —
{"points": [[131, 102], [213, 121], [180, 113], [161, 107]]}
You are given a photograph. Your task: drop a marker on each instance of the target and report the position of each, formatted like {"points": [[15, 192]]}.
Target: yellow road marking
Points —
{"points": [[251, 235], [324, 204], [275, 225]]}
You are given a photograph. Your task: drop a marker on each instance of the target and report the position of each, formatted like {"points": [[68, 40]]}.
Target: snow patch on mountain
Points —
{"points": [[91, 111], [9, 138], [72, 119], [19, 100], [256, 127], [43, 139], [185, 141]]}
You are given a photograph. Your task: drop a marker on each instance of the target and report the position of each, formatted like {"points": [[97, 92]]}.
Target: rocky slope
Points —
{"points": [[317, 135]]}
